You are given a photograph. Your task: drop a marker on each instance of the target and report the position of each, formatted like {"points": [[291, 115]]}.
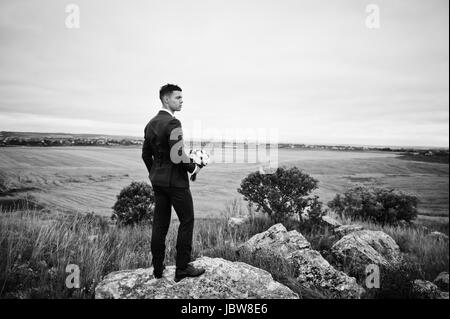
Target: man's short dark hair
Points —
{"points": [[167, 89]]}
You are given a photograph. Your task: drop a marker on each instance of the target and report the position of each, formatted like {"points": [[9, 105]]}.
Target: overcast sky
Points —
{"points": [[310, 69]]}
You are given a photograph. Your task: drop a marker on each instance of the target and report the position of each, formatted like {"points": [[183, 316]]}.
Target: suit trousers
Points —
{"points": [[181, 200]]}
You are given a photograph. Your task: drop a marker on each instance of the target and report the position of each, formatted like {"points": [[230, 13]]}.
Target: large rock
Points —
{"points": [[361, 248], [234, 222], [438, 236], [442, 281], [276, 240], [344, 230], [222, 279], [330, 222], [427, 290], [310, 268]]}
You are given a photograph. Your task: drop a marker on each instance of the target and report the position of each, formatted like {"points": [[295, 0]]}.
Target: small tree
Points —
{"points": [[134, 204], [380, 205], [315, 212], [282, 194]]}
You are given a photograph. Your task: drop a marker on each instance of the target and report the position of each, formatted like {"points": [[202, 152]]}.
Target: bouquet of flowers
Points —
{"points": [[201, 159]]}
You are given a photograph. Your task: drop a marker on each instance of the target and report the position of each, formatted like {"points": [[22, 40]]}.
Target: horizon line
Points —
{"points": [[280, 142]]}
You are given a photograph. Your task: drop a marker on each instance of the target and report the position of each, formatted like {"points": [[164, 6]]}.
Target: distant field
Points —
{"points": [[89, 178]]}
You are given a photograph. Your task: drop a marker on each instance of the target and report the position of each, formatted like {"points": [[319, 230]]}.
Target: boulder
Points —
{"points": [[438, 236], [222, 279], [311, 270], [330, 222], [344, 230], [442, 281], [427, 290], [276, 240], [236, 221], [361, 248]]}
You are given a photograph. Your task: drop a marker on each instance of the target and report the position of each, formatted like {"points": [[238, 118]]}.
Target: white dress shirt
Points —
{"points": [[168, 111]]}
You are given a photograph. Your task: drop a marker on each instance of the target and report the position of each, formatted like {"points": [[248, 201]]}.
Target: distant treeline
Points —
{"points": [[410, 151], [20, 141], [435, 156], [62, 139]]}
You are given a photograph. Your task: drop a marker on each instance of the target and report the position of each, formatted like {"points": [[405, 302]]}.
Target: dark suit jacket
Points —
{"points": [[163, 171]]}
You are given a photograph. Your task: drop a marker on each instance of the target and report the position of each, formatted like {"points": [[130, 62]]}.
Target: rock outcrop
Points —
{"points": [[310, 268], [236, 221], [363, 247], [344, 230], [427, 290], [442, 281], [438, 236], [222, 279], [276, 240], [330, 222]]}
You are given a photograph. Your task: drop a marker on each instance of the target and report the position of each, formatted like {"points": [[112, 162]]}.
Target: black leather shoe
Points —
{"points": [[158, 271], [189, 271]]}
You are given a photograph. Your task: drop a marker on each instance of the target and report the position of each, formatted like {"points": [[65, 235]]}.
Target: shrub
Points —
{"points": [[380, 205], [282, 194], [134, 204], [396, 281], [315, 214]]}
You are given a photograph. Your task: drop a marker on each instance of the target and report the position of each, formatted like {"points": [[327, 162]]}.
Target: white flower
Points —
{"points": [[200, 157]]}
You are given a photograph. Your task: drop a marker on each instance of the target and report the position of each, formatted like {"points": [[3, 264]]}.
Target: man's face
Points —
{"points": [[174, 101]]}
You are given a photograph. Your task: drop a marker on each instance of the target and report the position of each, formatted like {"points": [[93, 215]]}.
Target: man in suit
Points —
{"points": [[168, 164]]}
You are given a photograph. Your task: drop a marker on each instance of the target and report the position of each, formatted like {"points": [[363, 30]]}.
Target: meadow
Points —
{"points": [[36, 247], [75, 188], [87, 179]]}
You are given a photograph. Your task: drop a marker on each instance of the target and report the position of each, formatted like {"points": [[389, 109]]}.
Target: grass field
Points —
{"points": [[87, 179], [36, 247]]}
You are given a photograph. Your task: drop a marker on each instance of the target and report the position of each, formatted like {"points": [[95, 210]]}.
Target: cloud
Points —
{"points": [[40, 123], [312, 70]]}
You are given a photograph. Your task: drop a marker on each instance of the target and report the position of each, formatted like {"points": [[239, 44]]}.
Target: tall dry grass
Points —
{"points": [[36, 247]]}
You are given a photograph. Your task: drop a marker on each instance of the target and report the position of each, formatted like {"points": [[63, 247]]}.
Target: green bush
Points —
{"points": [[315, 214], [134, 204], [282, 194], [379, 205], [396, 281]]}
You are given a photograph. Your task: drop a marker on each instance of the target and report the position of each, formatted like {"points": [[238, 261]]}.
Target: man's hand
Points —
{"points": [[194, 173], [197, 169]]}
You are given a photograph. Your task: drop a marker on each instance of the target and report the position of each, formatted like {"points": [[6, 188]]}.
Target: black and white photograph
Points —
{"points": [[211, 150]]}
